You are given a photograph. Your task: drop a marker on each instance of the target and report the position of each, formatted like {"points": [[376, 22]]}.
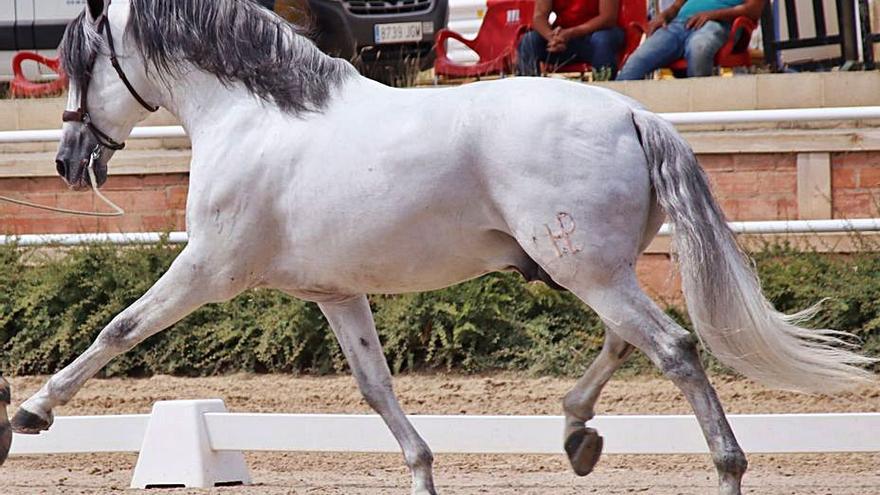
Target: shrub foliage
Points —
{"points": [[53, 305]]}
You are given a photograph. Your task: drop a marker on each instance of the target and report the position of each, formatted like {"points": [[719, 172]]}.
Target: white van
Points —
{"points": [[33, 25]]}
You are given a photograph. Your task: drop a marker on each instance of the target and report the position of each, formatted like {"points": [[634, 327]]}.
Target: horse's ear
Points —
{"points": [[96, 8]]}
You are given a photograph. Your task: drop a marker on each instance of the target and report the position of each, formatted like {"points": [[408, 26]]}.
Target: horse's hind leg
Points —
{"points": [[184, 287], [632, 315], [584, 445], [352, 323]]}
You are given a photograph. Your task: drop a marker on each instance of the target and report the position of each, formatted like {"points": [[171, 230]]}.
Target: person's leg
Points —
{"points": [[531, 52], [605, 45], [576, 50], [662, 48], [701, 47], [599, 49]]}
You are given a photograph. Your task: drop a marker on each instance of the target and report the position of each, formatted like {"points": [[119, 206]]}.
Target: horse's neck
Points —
{"points": [[202, 103]]}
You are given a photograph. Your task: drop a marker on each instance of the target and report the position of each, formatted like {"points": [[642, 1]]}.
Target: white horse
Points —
{"points": [[310, 179]]}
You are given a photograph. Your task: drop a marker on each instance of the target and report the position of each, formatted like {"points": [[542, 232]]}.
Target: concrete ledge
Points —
{"points": [[755, 92]]}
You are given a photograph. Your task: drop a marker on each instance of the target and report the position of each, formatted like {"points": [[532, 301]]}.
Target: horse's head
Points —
{"points": [[109, 92]]}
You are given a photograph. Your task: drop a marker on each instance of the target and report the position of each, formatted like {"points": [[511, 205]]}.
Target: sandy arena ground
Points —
{"points": [[372, 474]]}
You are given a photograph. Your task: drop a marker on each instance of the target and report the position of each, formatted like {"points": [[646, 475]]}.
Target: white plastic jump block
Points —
{"points": [[177, 452]]}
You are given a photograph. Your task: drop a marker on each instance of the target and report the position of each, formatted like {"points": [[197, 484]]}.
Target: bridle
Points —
{"points": [[81, 114]]}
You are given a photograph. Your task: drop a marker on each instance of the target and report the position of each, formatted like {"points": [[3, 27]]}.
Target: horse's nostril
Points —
{"points": [[61, 167]]}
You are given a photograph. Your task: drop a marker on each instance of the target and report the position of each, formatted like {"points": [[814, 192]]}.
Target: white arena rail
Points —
{"points": [[757, 227], [179, 434], [679, 118]]}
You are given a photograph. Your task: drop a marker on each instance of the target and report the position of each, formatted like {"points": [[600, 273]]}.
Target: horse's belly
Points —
{"points": [[410, 262]]}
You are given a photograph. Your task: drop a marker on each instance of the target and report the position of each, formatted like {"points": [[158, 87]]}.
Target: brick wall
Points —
{"points": [[855, 184], [754, 186], [152, 203], [758, 186]]}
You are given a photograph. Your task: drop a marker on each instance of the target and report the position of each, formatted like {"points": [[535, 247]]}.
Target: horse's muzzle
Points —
{"points": [[73, 168]]}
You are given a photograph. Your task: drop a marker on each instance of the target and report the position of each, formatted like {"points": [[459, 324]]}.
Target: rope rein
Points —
{"points": [[94, 183]]}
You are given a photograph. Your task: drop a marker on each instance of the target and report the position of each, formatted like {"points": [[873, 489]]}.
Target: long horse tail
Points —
{"points": [[729, 312]]}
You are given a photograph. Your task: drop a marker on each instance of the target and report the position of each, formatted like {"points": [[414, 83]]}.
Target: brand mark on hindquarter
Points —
{"points": [[561, 238]]}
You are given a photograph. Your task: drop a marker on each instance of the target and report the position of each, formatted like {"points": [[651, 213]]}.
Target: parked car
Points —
{"points": [[388, 40], [35, 25]]}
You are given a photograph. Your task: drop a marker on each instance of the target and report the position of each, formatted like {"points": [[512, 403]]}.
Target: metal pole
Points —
{"points": [[768, 35], [849, 45], [867, 38], [757, 227], [798, 226], [782, 115]]}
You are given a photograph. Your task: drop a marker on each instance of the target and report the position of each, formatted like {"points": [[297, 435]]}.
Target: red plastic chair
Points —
{"points": [[505, 21], [22, 87], [631, 17], [734, 53]]}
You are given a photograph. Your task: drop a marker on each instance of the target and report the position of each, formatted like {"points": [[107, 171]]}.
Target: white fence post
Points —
{"points": [[177, 449]]}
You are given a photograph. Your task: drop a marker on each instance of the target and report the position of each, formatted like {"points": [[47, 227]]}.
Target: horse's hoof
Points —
{"points": [[28, 423], [5, 427], [584, 447]]}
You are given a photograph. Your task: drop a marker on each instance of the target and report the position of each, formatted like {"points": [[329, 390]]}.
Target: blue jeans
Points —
{"points": [[673, 42], [598, 48]]}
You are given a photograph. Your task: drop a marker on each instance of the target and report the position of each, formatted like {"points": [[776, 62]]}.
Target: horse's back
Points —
{"points": [[555, 137]]}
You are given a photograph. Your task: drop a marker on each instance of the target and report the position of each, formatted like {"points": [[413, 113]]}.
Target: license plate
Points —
{"points": [[398, 32]]}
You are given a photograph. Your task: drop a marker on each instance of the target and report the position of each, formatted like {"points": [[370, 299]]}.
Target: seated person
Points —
{"points": [[693, 29], [584, 31]]}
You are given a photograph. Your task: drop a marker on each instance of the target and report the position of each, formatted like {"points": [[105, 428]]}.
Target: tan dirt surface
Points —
{"points": [[373, 474]]}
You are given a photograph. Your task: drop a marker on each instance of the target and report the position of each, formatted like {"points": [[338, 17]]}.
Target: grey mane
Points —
{"points": [[235, 40], [79, 43]]}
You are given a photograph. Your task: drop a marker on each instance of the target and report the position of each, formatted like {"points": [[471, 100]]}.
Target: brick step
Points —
{"points": [[125, 162]]}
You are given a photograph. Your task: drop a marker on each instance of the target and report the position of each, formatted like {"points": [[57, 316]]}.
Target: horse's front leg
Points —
{"points": [[186, 285], [352, 323]]}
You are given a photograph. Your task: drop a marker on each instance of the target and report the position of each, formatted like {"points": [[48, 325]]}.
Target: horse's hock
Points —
{"points": [[758, 172]]}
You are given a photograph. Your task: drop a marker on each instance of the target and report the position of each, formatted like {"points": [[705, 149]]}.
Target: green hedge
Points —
{"points": [[51, 307]]}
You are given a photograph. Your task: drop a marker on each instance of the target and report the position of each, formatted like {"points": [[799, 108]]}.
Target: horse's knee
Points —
{"points": [[731, 462], [120, 335], [376, 392], [679, 360], [420, 458]]}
